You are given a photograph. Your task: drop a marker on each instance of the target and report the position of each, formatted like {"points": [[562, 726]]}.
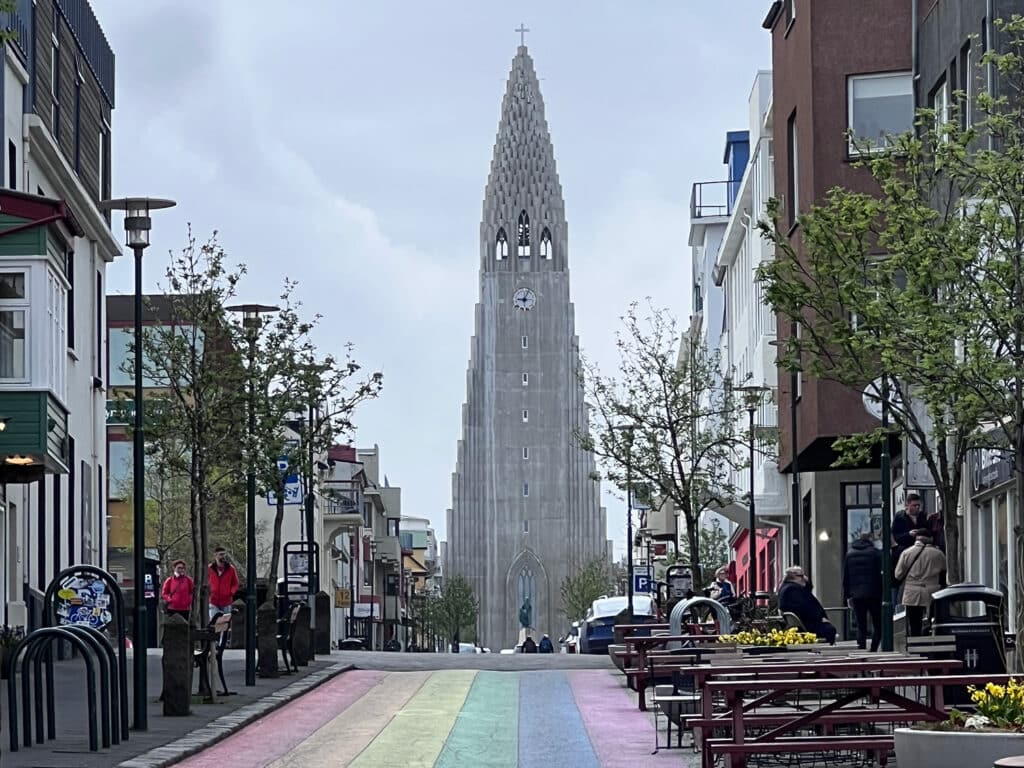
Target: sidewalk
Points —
{"points": [[169, 739]]}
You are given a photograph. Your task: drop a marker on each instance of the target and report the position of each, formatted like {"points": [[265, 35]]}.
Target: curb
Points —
{"points": [[225, 725]]}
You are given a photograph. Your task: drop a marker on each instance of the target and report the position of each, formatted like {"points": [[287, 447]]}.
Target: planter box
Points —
{"points": [[954, 749]]}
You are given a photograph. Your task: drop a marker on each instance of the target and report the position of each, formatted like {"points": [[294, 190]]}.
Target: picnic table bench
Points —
{"points": [[214, 636], [285, 637], [741, 701]]}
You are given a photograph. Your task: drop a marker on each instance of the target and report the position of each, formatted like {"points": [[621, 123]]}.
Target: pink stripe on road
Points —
{"points": [[622, 735], [274, 735]]}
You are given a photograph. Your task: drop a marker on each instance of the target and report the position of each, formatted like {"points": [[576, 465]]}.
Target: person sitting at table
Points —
{"points": [[721, 589], [795, 597]]}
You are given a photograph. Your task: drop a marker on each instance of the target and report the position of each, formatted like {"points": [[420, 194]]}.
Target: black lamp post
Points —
{"points": [[629, 430], [373, 593], [753, 395], [137, 225], [251, 323]]}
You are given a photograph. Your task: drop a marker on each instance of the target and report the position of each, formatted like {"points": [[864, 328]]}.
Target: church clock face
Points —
{"points": [[524, 299]]}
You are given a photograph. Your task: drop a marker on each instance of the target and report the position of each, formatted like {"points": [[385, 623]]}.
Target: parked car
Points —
{"points": [[597, 627], [467, 648]]}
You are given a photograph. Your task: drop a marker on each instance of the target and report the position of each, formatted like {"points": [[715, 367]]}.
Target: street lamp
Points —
{"points": [[251, 323], [629, 430], [137, 224], [753, 396], [373, 593]]}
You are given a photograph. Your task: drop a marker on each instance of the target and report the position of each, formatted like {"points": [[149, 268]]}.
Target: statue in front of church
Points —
{"points": [[526, 614]]}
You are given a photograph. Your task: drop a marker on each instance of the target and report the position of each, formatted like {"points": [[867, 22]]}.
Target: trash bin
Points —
{"points": [[973, 615]]}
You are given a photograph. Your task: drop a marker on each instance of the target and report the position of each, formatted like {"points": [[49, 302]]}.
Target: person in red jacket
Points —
{"points": [[178, 591], [223, 583]]}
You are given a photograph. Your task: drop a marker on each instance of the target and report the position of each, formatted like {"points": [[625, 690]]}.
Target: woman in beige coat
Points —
{"points": [[921, 568]]}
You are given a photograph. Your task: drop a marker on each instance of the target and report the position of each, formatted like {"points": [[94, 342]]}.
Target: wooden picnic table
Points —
{"points": [[742, 703], [641, 645]]}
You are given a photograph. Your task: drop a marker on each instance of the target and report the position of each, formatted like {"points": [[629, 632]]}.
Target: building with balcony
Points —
{"points": [[57, 93]]}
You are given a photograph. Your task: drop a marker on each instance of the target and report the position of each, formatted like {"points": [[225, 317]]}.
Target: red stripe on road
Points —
{"points": [[274, 735]]}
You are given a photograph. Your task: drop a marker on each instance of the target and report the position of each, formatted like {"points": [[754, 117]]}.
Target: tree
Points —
{"points": [[714, 552], [686, 440], [455, 609], [580, 589], [190, 355], [922, 285]]}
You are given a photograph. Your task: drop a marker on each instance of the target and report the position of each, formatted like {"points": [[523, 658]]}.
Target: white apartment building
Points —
{"points": [[57, 94]]}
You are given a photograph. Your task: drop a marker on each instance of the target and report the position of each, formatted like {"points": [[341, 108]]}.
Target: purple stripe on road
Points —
{"points": [[619, 732], [278, 733]]}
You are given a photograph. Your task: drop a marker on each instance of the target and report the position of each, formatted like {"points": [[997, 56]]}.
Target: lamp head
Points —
{"points": [[137, 221], [251, 313]]}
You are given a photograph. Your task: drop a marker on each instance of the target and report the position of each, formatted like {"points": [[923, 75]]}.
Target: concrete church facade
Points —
{"points": [[525, 499]]}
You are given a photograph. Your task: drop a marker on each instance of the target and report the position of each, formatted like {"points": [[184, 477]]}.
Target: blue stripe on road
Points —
{"points": [[551, 731]]}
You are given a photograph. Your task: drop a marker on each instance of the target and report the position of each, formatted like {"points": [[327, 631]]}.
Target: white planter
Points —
{"points": [[954, 749]]}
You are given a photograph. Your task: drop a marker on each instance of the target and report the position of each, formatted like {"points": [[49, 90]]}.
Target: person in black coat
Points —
{"points": [[529, 646], [546, 646], [795, 597], [862, 588]]}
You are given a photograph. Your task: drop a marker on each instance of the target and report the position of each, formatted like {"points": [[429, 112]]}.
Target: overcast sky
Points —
{"points": [[346, 146]]}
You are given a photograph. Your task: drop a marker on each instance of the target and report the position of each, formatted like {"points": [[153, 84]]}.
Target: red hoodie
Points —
{"points": [[177, 592], [223, 585]]}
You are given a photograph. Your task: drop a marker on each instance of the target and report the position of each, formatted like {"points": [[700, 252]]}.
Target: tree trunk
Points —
{"points": [[951, 528], [693, 544], [275, 548], [193, 510]]}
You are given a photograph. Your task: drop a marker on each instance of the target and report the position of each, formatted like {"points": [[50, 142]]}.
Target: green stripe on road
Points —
{"points": [[486, 732], [415, 736]]}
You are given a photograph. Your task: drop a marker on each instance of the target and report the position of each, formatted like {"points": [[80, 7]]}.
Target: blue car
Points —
{"points": [[597, 627]]}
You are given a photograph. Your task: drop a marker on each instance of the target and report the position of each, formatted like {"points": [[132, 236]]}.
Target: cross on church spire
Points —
{"points": [[522, 30]]}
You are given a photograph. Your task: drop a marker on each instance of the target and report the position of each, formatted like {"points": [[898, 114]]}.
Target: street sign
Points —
{"points": [[872, 397], [642, 579], [292, 492], [282, 464]]}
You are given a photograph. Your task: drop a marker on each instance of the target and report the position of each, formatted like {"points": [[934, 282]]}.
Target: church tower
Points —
{"points": [[525, 499]]}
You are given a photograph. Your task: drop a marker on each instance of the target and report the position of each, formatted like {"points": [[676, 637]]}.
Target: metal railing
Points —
{"points": [[712, 198]]}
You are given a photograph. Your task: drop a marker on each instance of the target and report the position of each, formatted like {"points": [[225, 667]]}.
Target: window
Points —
{"points": [[72, 470], [523, 236], [69, 273], [103, 168], [99, 327], [12, 165], [526, 526], [13, 312], [790, 12], [939, 101], [526, 489], [799, 374], [526, 452], [526, 342], [526, 379], [55, 86], [966, 84], [526, 415], [545, 244], [880, 107], [393, 529], [862, 506], [793, 182], [56, 317], [90, 549], [501, 246]]}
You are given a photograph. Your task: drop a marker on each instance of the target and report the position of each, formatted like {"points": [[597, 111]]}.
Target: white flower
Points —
{"points": [[976, 721]]}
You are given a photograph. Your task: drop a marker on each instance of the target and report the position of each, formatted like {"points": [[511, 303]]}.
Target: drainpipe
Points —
{"points": [[915, 52], [990, 74]]}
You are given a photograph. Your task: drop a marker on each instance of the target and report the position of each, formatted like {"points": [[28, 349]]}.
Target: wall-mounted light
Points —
{"points": [[19, 461], [823, 536], [3, 422]]}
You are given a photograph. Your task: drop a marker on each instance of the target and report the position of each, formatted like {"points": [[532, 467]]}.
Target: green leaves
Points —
{"points": [[582, 587], [456, 608]]}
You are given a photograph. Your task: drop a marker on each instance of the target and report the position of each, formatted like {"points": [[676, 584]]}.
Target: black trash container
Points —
{"points": [[973, 615]]}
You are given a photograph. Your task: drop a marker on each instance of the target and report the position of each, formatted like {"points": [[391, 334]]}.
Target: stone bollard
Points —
{"points": [[266, 640], [237, 639], [322, 636], [302, 642], [177, 667]]}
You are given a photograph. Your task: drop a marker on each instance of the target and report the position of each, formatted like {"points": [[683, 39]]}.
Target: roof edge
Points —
{"points": [[773, 15]]}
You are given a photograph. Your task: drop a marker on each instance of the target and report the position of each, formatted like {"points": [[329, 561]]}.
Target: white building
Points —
{"points": [[55, 245]]}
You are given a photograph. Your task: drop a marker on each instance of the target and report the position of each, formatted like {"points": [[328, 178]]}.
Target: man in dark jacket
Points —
{"points": [[862, 588], [796, 597]]}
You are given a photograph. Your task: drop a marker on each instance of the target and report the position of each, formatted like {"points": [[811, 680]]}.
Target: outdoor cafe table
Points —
{"points": [[741, 703], [641, 645]]}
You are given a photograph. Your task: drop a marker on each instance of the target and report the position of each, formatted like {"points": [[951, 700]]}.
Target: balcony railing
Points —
{"points": [[712, 198]]}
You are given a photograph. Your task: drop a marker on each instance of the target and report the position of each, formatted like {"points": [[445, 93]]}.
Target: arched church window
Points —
{"points": [[545, 244], [501, 245], [524, 235]]}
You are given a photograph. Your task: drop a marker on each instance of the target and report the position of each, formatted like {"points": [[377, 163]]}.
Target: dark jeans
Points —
{"points": [[915, 620], [826, 631], [862, 606]]}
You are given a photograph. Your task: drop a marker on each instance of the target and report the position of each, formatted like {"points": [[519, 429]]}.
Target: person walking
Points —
{"points": [[921, 568], [178, 591], [546, 646], [796, 597], [223, 583], [862, 588]]}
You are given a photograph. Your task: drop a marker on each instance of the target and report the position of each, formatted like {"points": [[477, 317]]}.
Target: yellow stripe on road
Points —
{"points": [[415, 736], [341, 740]]}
